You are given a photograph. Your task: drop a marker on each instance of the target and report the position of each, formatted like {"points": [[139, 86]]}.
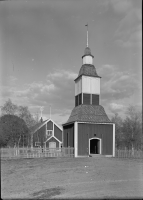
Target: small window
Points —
{"points": [[49, 132], [37, 144]]}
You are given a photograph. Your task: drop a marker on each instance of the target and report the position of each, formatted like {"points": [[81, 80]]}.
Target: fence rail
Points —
{"points": [[119, 153], [36, 152], [59, 152]]}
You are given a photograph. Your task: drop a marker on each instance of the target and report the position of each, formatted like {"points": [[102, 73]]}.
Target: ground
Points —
{"points": [[43, 178]]}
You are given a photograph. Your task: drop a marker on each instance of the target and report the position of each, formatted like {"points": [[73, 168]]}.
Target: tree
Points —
{"points": [[118, 130], [24, 113], [9, 108], [12, 129], [20, 111], [132, 127]]}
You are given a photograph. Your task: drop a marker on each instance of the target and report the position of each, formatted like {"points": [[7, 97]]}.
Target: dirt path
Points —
{"points": [[72, 178]]}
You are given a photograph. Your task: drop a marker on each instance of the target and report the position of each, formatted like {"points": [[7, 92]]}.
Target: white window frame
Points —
{"points": [[47, 134]]}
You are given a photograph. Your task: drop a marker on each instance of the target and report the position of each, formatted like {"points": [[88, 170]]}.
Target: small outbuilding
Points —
{"points": [[88, 129], [46, 134]]}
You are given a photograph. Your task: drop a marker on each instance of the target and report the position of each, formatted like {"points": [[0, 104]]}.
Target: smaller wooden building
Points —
{"points": [[46, 134]]}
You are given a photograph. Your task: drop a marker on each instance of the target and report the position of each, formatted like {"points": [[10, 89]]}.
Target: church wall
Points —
{"points": [[68, 135], [87, 131]]}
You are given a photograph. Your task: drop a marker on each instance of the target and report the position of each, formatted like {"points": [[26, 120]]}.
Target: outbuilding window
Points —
{"points": [[49, 132]]}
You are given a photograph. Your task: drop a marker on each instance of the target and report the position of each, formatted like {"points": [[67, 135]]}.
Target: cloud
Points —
{"points": [[121, 6], [117, 84], [129, 32], [115, 107], [12, 79], [57, 91], [59, 74]]}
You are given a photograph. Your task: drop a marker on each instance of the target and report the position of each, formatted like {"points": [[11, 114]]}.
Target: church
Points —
{"points": [[88, 128]]}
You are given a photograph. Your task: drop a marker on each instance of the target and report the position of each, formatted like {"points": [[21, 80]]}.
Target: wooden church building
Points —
{"points": [[46, 134], [88, 128]]}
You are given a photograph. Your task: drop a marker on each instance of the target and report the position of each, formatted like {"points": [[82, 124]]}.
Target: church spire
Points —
{"points": [[87, 35], [87, 58]]}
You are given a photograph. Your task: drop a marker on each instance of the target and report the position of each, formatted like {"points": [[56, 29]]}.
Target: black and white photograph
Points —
{"points": [[71, 99]]}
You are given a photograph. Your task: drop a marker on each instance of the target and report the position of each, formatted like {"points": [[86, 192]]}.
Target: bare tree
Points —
{"points": [[118, 129], [9, 108], [132, 127]]}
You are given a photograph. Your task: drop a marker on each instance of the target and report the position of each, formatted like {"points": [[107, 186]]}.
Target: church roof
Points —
{"points": [[88, 70], [89, 113], [87, 52]]}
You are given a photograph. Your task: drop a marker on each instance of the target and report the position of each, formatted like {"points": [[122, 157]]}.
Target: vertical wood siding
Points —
{"points": [[86, 99], [76, 100], [95, 99], [95, 85], [50, 125], [52, 140], [83, 139], [91, 85], [78, 87], [80, 99], [57, 133], [68, 135], [103, 131]]}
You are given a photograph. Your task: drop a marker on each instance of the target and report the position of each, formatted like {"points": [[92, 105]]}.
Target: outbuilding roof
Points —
{"points": [[37, 126], [89, 113], [88, 70]]}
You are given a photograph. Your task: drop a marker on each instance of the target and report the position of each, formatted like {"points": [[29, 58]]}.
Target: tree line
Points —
{"points": [[16, 121], [128, 131], [15, 124]]}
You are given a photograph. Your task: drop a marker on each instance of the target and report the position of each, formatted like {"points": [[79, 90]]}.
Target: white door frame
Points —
{"points": [[53, 143], [97, 139]]}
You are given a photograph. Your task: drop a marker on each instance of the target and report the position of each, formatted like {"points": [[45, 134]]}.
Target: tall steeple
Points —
{"points": [[87, 58], [87, 84], [87, 35]]}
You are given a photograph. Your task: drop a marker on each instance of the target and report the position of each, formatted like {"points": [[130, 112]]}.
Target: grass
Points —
{"points": [[46, 178]]}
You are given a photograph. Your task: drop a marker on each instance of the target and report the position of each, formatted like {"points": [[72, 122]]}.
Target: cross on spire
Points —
{"points": [[87, 34]]}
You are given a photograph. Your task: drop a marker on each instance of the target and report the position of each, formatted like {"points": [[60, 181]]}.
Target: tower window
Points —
{"points": [[76, 100], [95, 99], [49, 132], [80, 99], [86, 99]]}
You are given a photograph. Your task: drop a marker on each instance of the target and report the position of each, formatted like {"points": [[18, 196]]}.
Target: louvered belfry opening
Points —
{"points": [[78, 99]]}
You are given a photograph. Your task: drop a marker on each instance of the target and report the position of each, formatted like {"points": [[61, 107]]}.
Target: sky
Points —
{"points": [[41, 49]]}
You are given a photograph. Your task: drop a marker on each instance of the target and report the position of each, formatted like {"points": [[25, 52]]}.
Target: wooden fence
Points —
{"points": [[36, 152], [119, 153], [59, 152]]}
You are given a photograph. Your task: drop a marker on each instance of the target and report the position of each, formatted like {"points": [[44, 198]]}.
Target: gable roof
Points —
{"points": [[89, 113], [36, 127], [53, 137]]}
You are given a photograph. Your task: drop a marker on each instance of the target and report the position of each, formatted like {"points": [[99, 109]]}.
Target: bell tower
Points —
{"points": [[87, 84]]}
